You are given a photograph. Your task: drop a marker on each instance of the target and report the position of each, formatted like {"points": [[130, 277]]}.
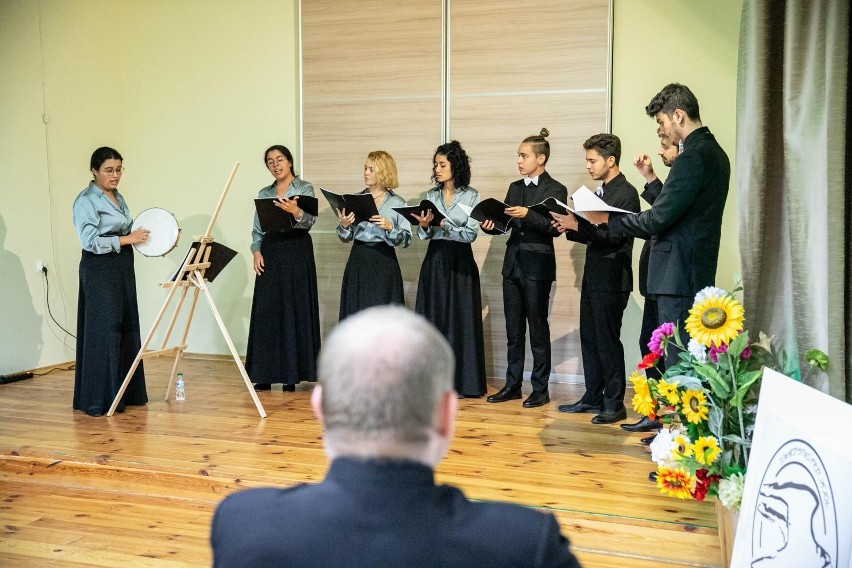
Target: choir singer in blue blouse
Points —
{"points": [[372, 276], [448, 292], [108, 338]]}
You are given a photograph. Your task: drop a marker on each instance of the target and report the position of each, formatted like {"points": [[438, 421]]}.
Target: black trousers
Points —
{"points": [[649, 324], [600, 341], [674, 309], [526, 301]]}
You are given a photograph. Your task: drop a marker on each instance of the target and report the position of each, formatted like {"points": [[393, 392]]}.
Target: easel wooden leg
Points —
{"points": [[182, 346], [198, 280]]}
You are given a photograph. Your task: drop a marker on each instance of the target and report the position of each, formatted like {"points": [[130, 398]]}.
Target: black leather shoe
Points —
{"points": [[262, 387], [610, 416], [536, 399], [644, 425], [504, 394], [579, 406], [647, 440], [652, 477]]}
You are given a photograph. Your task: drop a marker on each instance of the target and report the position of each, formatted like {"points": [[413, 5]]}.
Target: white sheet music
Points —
{"points": [[586, 200]]}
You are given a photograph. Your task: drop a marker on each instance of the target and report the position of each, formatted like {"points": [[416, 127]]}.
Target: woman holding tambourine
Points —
{"points": [[284, 332], [108, 337]]}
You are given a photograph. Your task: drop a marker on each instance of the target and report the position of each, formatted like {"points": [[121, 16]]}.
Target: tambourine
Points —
{"points": [[164, 234]]}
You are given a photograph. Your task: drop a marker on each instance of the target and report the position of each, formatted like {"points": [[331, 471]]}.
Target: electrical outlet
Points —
{"points": [[40, 266]]}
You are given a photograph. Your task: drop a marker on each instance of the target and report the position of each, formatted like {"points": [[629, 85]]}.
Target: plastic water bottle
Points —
{"points": [[180, 392]]}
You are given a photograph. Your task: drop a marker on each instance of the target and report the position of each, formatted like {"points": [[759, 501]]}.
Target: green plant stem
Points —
{"points": [[733, 367]]}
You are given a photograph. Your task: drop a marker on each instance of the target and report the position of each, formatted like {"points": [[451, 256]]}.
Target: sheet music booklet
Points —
{"points": [[220, 256], [424, 206], [361, 204], [275, 219]]}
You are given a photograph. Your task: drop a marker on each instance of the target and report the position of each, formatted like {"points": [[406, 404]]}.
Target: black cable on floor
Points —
{"points": [[47, 302]]}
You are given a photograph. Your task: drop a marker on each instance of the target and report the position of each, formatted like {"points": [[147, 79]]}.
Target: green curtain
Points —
{"points": [[793, 180]]}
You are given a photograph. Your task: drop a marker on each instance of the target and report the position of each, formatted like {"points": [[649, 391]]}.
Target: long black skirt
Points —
{"points": [[284, 333], [448, 295], [108, 338], [372, 278]]}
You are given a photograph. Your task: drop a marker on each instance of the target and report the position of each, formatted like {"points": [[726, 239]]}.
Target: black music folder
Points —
{"points": [[220, 256], [493, 209], [361, 204], [548, 205], [275, 219], [424, 206]]}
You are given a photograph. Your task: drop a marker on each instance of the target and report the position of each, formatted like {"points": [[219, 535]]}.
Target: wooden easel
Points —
{"points": [[190, 275]]}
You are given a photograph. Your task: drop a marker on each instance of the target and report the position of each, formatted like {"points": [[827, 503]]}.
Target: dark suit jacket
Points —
{"points": [[652, 191], [609, 260], [531, 241], [380, 514], [686, 219]]}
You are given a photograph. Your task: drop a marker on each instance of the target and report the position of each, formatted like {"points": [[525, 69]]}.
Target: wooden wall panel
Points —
{"points": [[513, 72], [372, 80]]}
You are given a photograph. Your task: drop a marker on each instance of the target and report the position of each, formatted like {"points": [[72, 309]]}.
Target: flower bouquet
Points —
{"points": [[707, 402]]}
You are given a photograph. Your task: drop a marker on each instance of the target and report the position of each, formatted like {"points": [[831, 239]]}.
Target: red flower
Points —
{"points": [[703, 483], [648, 361]]}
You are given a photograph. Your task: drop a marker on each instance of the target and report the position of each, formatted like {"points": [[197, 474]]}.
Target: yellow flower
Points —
{"points": [[706, 450], [668, 390], [643, 402], [695, 406], [675, 482], [716, 320], [681, 447]]}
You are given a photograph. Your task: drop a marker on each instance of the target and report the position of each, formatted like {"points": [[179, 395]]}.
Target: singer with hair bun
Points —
{"points": [[529, 270], [448, 293]]}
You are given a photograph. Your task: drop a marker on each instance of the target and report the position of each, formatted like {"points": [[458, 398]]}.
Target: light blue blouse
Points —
{"points": [[367, 232], [458, 225], [99, 222], [297, 187]]}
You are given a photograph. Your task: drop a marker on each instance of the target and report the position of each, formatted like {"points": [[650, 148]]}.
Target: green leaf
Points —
{"points": [[738, 440], [816, 358], [745, 381], [738, 345], [718, 385]]}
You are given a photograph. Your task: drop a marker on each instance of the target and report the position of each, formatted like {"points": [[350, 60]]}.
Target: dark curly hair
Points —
{"points": [[459, 162], [674, 96]]}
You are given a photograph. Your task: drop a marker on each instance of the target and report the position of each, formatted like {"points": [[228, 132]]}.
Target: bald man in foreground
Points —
{"points": [[387, 406]]}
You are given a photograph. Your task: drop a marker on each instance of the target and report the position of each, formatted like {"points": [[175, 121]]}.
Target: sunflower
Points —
{"points": [[695, 406], [675, 482], [668, 390], [716, 320], [681, 447], [706, 449], [643, 402]]}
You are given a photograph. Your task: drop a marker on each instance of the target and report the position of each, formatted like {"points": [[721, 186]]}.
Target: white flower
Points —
{"points": [[710, 292], [665, 446], [731, 491], [765, 341], [697, 350]]}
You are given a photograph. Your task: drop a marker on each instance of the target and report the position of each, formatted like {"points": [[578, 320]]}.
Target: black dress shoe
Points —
{"points": [[262, 387], [610, 416], [288, 388], [652, 477], [644, 425], [536, 399], [504, 394], [579, 406], [648, 440]]}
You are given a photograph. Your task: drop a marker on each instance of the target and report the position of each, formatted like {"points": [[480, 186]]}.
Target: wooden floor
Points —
{"points": [[139, 489]]}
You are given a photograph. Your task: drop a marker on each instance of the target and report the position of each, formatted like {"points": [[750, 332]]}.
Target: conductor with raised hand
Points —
{"points": [[529, 270], [388, 410]]}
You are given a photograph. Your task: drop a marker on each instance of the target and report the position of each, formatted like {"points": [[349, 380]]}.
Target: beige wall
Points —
{"points": [[185, 89], [659, 42]]}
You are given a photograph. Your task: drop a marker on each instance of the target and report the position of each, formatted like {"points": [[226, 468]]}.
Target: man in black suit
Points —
{"points": [[529, 270], [653, 186], [686, 218], [387, 405], [606, 287]]}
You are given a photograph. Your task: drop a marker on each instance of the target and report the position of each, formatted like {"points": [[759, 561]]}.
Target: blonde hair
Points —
{"points": [[385, 168], [539, 143]]}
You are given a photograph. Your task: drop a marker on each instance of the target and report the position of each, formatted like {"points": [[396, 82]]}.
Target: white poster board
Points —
{"points": [[797, 502]]}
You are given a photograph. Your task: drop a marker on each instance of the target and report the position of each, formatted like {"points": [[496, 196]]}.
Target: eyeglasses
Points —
{"points": [[277, 161], [109, 171]]}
